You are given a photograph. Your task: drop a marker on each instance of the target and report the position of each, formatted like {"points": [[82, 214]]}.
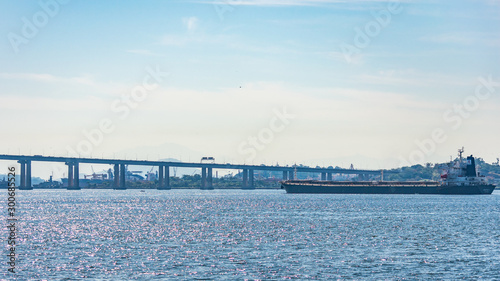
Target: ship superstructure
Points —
{"points": [[463, 172]]}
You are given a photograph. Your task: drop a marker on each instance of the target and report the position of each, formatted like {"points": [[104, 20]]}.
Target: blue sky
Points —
{"points": [[233, 64]]}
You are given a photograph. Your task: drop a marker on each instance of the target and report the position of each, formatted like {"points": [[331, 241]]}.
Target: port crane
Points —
{"points": [[95, 176], [150, 176]]}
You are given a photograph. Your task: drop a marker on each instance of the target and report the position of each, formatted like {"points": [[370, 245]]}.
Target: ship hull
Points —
{"points": [[326, 187]]}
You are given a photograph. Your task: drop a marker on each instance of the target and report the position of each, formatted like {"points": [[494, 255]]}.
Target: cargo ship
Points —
{"points": [[461, 177]]}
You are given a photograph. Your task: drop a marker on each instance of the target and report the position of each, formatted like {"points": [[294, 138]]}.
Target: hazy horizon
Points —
{"points": [[377, 84]]}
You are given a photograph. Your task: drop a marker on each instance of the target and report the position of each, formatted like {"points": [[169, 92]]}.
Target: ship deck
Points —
{"points": [[362, 183]]}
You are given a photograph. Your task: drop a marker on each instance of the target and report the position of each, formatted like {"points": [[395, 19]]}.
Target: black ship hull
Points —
{"points": [[332, 187]]}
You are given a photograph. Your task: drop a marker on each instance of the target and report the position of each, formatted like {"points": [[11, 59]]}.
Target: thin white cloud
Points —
{"points": [[39, 77], [47, 78], [178, 40], [144, 52], [464, 38], [277, 2], [434, 11], [54, 105], [412, 77], [184, 39], [283, 2], [190, 23], [337, 56], [78, 83]]}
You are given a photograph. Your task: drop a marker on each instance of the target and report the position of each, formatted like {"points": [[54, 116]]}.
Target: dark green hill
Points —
{"points": [[433, 172]]}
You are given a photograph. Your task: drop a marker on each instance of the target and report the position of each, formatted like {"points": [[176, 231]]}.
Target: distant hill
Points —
{"points": [[433, 172], [34, 180]]}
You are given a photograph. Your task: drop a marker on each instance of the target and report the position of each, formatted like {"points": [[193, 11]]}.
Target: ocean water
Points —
{"points": [[260, 234]]}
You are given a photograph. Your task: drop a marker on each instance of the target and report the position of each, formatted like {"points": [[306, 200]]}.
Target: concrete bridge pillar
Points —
{"points": [[120, 177], [210, 179], [245, 178], [25, 175], [291, 175], [251, 184], [70, 174], [330, 176], [164, 177], [76, 176], [123, 173], [323, 176], [73, 176], [116, 177], [285, 175], [166, 182], [28, 175], [203, 178], [160, 176], [206, 178]]}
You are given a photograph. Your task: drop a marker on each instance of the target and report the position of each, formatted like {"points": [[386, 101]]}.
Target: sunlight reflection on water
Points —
{"points": [[261, 234]]}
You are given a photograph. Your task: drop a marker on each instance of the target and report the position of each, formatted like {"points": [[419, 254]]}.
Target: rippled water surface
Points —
{"points": [[261, 234]]}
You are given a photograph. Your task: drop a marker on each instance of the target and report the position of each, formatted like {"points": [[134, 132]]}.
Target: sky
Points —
{"points": [[376, 84]]}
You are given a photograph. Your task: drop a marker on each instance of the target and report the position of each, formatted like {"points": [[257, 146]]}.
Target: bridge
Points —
{"points": [[119, 171]]}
